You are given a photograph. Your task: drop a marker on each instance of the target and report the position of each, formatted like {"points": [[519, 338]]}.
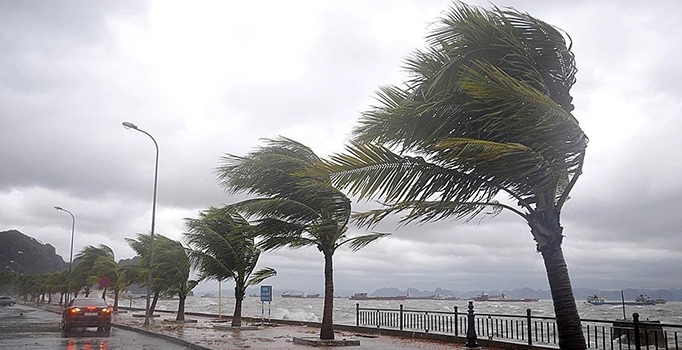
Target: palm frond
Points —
{"points": [[260, 275], [359, 242], [372, 171]]}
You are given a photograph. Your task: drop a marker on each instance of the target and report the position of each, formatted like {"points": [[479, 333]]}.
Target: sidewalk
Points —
{"points": [[210, 333], [213, 334]]}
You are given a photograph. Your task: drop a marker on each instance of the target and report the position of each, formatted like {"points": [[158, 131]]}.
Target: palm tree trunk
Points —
{"points": [[327, 330], [116, 292], [237, 316], [567, 318], [238, 299], [181, 307], [154, 300]]}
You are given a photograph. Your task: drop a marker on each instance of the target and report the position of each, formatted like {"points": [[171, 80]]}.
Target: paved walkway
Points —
{"points": [[215, 334]]}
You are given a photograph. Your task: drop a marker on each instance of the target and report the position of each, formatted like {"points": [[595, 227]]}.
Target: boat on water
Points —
{"points": [[432, 297], [502, 297], [299, 295], [642, 299], [364, 296]]}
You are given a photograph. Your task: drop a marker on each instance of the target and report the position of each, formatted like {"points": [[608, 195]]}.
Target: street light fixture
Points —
{"points": [[18, 266], [73, 227], [147, 316]]}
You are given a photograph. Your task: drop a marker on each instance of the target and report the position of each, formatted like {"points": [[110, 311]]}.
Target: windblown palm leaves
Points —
{"points": [[224, 248], [295, 207], [97, 262], [170, 268], [486, 111]]}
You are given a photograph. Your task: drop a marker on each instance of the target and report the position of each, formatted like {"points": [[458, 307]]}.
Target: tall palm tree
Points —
{"points": [[224, 248], [486, 113], [293, 209]]}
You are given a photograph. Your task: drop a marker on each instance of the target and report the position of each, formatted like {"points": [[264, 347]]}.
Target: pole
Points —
{"points": [[471, 327], [220, 299], [147, 315], [73, 228], [622, 300]]}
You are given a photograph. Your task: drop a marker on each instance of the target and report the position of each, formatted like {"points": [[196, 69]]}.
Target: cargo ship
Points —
{"points": [[502, 297], [364, 296]]}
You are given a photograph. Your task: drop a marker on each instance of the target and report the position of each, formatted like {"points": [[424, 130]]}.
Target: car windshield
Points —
{"points": [[5, 298], [89, 302]]}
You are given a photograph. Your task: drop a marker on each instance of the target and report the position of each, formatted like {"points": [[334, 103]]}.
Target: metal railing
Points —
{"points": [[527, 329]]}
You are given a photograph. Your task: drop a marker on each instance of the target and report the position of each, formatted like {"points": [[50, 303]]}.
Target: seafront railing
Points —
{"points": [[524, 329]]}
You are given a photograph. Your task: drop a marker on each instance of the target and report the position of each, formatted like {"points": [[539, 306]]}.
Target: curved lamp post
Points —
{"points": [[147, 316], [73, 226]]}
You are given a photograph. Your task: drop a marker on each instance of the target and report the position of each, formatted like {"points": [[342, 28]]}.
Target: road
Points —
{"points": [[26, 328]]}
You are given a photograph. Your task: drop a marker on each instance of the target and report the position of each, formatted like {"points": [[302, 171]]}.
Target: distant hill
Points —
{"points": [[31, 256]]}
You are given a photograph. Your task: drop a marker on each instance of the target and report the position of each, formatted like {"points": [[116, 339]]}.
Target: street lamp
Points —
{"points": [[129, 125], [73, 227]]}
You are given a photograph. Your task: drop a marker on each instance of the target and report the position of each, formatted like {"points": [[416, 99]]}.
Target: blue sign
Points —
{"points": [[265, 293]]}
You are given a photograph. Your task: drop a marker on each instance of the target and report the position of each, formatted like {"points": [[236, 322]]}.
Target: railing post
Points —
{"points": [[456, 322], [471, 327], [635, 323], [357, 314], [529, 329], [426, 322], [401, 317], [378, 319]]}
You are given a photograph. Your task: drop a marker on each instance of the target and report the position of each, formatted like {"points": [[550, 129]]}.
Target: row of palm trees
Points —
{"points": [[230, 254]]}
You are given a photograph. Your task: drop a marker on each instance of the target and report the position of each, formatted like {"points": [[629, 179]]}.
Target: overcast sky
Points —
{"points": [[209, 78]]}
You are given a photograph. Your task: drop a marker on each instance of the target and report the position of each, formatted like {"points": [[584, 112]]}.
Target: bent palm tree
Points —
{"points": [[486, 112], [141, 248], [224, 248], [98, 262], [171, 271], [295, 209]]}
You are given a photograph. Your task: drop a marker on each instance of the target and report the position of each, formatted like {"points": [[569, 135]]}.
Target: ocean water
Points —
{"points": [[344, 309]]}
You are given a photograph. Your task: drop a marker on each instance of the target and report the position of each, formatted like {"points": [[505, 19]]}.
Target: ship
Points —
{"points": [[364, 296], [502, 297], [299, 295], [432, 297], [642, 299]]}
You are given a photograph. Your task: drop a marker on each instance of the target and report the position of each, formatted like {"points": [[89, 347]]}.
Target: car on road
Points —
{"points": [[87, 312], [7, 300]]}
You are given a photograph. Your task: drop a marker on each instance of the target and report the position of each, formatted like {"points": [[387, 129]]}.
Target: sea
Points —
{"points": [[310, 309]]}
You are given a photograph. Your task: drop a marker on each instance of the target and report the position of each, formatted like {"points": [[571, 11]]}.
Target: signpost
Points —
{"points": [[265, 295]]}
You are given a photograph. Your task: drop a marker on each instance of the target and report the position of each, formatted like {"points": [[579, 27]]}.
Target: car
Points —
{"points": [[87, 312], [7, 300]]}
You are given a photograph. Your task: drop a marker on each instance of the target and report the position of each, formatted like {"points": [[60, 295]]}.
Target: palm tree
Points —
{"points": [[293, 209], [100, 262], [171, 270], [485, 113], [141, 248], [224, 248]]}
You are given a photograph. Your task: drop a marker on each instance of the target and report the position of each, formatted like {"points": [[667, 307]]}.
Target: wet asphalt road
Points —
{"points": [[26, 328]]}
